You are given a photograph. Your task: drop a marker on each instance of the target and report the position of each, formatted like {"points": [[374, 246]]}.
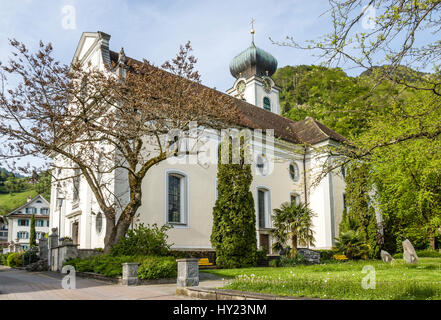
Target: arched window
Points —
{"points": [[267, 104], [294, 171], [99, 222], [177, 198]]}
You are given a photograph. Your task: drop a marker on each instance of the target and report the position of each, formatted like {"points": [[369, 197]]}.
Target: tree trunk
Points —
{"points": [[432, 242], [294, 246], [115, 230]]}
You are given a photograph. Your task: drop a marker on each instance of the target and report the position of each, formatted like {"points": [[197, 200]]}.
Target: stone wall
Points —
{"points": [[310, 255], [62, 253]]}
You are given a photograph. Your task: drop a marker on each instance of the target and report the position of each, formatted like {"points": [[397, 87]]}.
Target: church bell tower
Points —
{"points": [[253, 69]]}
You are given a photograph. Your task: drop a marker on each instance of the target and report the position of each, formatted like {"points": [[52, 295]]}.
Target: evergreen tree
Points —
{"points": [[32, 239], [360, 216], [234, 222]]}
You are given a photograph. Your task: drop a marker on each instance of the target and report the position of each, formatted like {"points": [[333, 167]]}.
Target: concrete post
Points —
{"points": [[130, 274], [52, 243], [42, 246], [188, 272]]}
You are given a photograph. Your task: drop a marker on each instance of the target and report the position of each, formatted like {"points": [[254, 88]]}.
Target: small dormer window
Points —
{"points": [[267, 104]]}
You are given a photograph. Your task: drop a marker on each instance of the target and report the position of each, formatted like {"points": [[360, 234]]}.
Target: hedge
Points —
{"points": [[151, 267], [421, 254], [15, 259], [158, 268]]}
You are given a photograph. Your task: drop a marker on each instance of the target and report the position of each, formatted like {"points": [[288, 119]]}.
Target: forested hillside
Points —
{"points": [[15, 189], [372, 112]]}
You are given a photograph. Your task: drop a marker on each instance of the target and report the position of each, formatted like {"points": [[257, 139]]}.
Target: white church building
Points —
{"points": [[183, 195]]}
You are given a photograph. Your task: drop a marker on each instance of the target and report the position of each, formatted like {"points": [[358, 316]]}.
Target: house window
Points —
{"points": [[38, 201], [23, 235], [34, 210], [23, 222], [295, 198], [263, 207], [99, 222], [294, 171], [39, 223], [44, 210], [176, 198], [267, 104], [39, 235], [27, 210], [47, 223]]}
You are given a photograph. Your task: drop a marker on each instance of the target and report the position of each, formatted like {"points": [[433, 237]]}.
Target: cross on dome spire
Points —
{"points": [[252, 29]]}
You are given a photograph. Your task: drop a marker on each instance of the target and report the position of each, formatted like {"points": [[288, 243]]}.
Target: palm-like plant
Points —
{"points": [[351, 244], [292, 221]]}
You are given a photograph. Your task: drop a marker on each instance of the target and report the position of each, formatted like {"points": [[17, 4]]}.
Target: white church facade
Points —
{"points": [[183, 195]]}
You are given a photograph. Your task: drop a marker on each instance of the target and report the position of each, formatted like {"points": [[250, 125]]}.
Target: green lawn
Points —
{"points": [[342, 280], [9, 202]]}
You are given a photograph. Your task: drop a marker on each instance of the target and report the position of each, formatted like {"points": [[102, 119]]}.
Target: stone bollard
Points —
{"points": [[130, 274], [52, 243], [42, 247], [188, 272]]}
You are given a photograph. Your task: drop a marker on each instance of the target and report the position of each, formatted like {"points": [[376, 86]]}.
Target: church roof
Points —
{"points": [[253, 61], [308, 131]]}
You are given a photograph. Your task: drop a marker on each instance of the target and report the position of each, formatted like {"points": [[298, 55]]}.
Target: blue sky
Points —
{"points": [[154, 30]]}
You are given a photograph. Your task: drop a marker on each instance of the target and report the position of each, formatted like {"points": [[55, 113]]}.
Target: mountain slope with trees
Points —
{"points": [[403, 178]]}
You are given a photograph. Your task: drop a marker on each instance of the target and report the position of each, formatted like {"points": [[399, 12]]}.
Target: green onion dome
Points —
{"points": [[253, 61]]}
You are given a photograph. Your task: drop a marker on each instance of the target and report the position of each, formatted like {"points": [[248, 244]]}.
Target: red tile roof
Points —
{"points": [[308, 131]]}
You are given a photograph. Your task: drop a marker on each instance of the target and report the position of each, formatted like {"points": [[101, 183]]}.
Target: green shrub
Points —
{"points": [[151, 267], [143, 241], [3, 258], [274, 263], [351, 244], [326, 255], [29, 257], [107, 265], [157, 268], [421, 254], [262, 255], [289, 262], [15, 259]]}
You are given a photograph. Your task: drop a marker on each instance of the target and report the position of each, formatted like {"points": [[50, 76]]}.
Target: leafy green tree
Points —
{"points": [[43, 186], [360, 216], [408, 179], [32, 238], [292, 223], [233, 234]]}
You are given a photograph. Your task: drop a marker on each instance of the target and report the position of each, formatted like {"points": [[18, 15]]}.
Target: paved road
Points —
{"points": [[18, 284]]}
